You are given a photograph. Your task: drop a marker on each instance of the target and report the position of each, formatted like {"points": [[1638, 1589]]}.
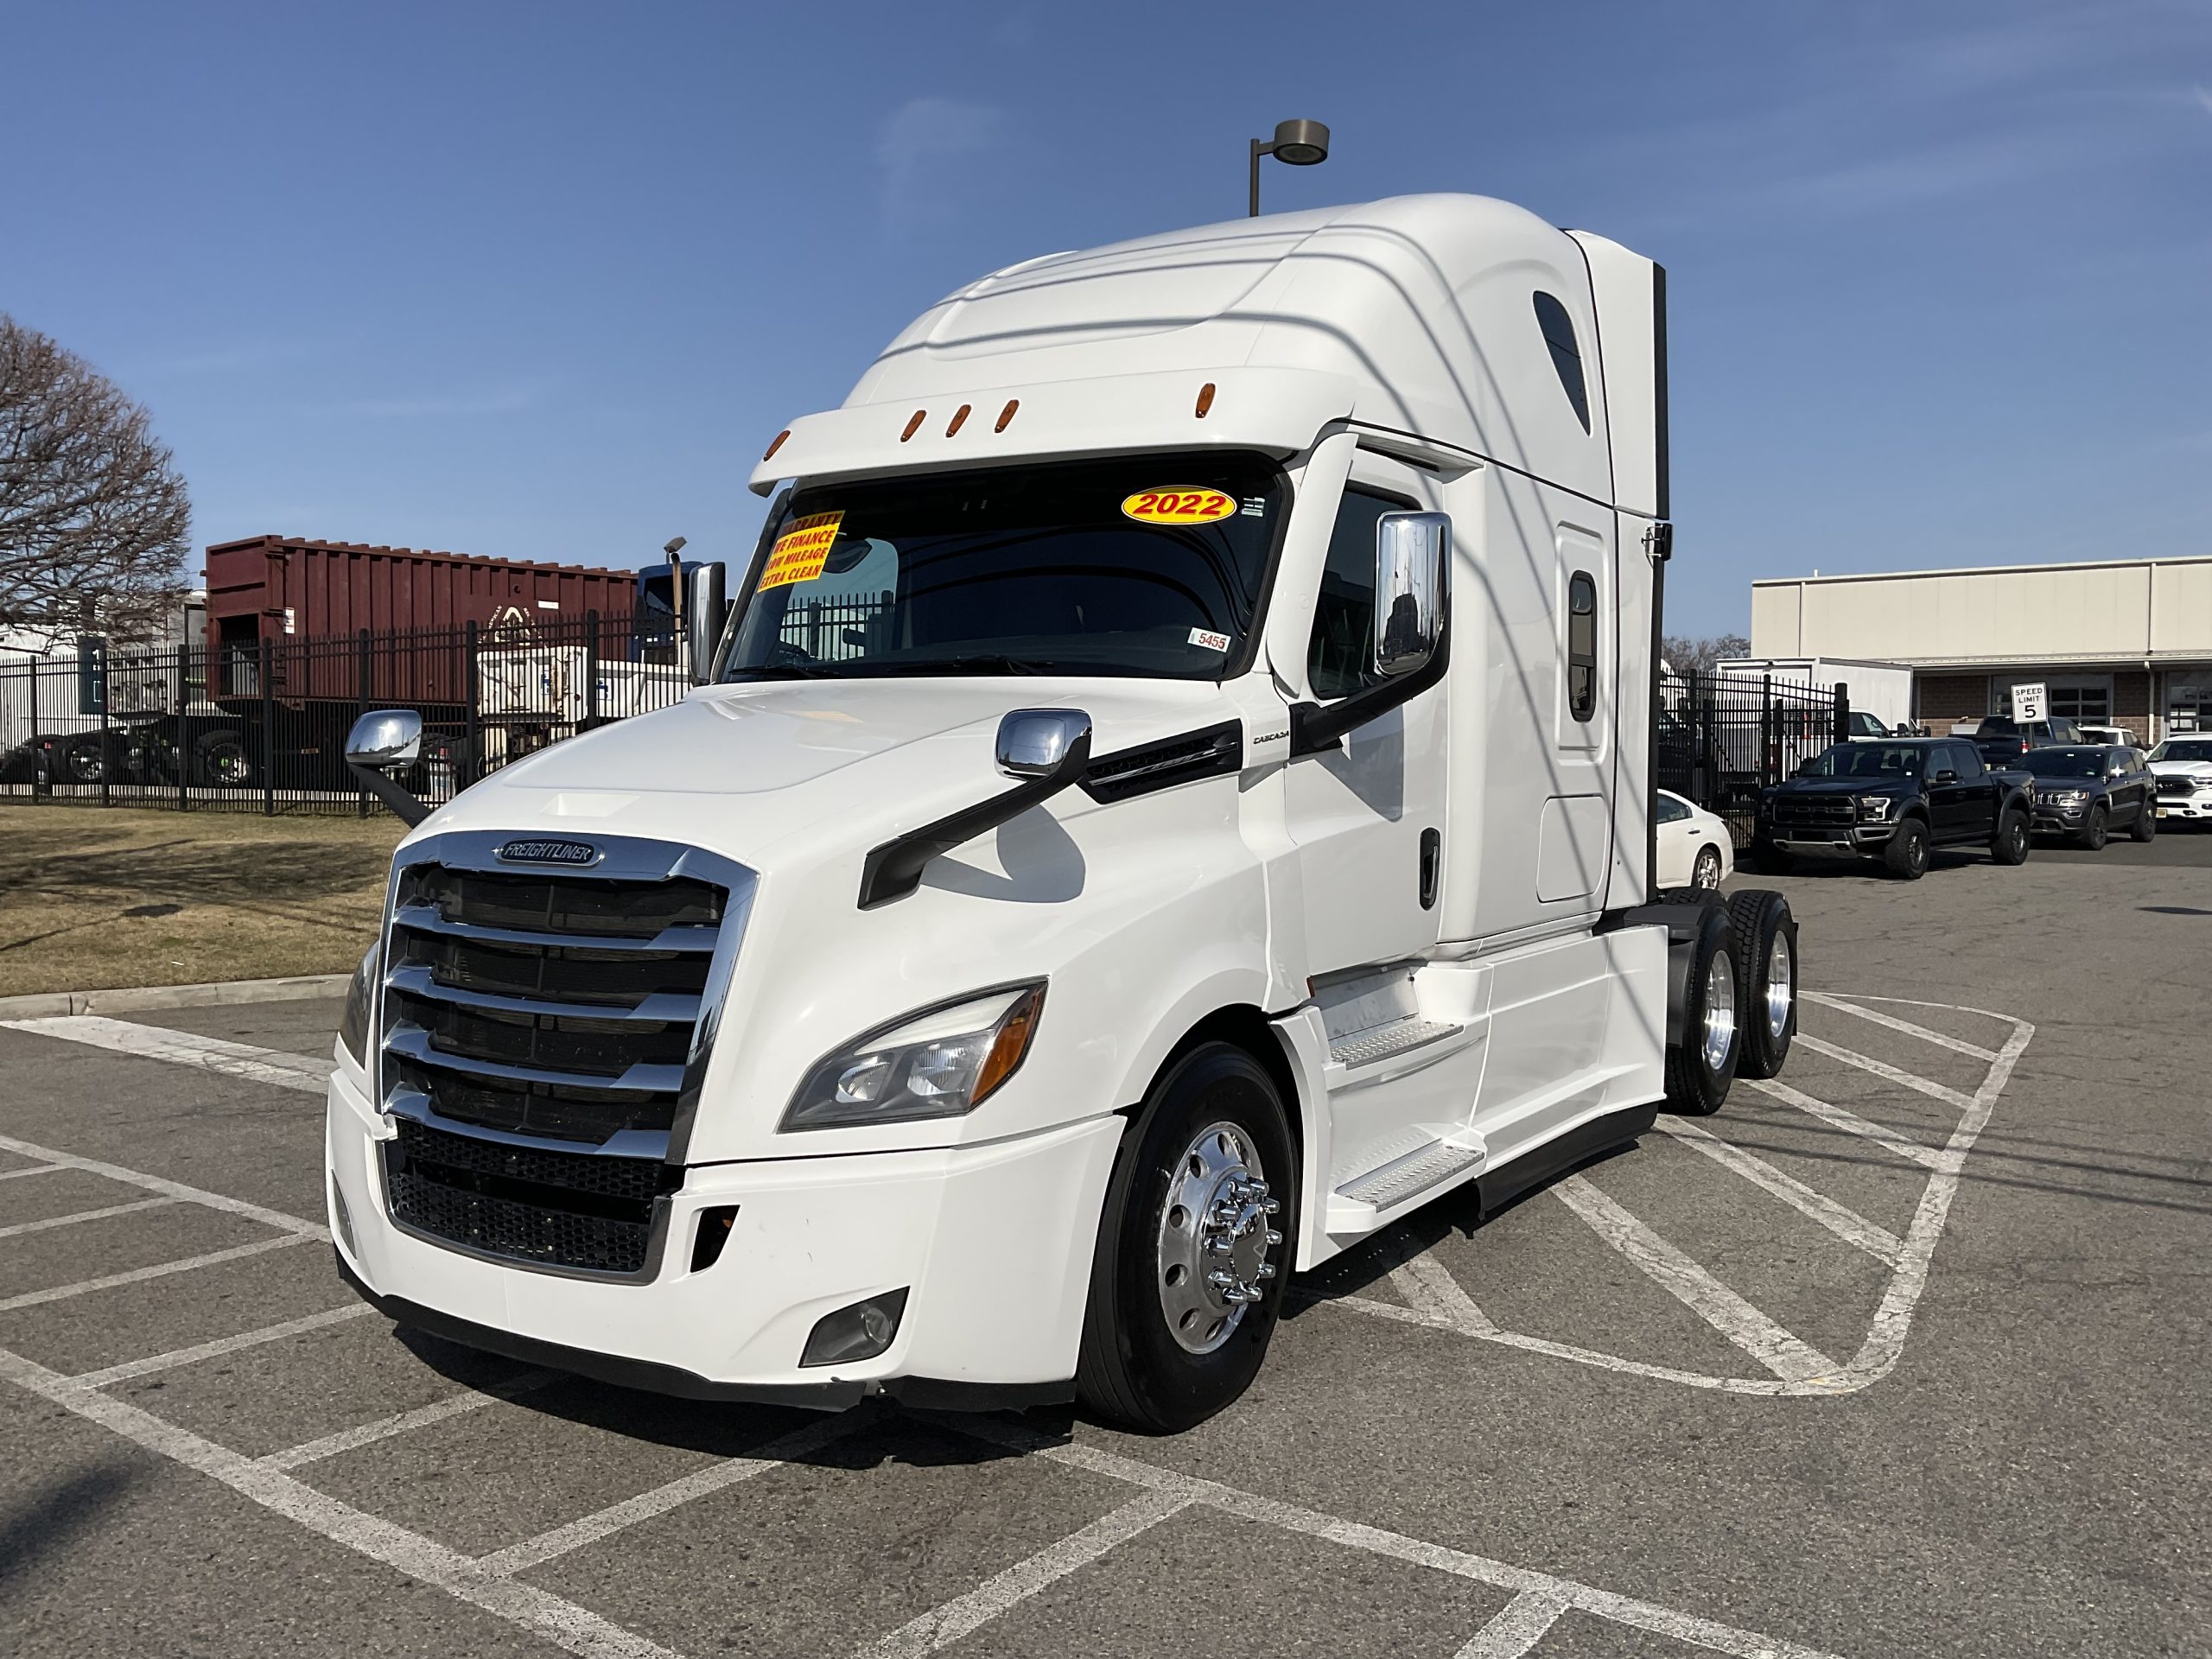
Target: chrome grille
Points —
{"points": [[558, 1016], [2172, 785]]}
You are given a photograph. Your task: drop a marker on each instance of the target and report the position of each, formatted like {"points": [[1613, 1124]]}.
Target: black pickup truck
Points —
{"points": [[1895, 801]]}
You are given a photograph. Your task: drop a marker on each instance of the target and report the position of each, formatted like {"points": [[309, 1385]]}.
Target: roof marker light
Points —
{"points": [[960, 416], [1005, 415], [913, 426], [777, 444], [1205, 399]]}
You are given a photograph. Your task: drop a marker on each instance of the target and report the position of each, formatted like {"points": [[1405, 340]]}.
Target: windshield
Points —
{"points": [[2183, 748], [1131, 565], [1867, 760], [2064, 763]]}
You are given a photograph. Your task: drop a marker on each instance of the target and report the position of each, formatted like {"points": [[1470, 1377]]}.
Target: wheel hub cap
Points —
{"points": [[1780, 972], [1215, 1238], [1719, 1013]]}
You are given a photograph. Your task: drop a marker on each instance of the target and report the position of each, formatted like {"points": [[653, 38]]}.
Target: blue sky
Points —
{"points": [[540, 281]]}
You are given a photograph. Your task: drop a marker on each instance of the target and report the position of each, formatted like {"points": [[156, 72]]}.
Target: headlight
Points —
{"points": [[942, 1063], [1874, 806], [353, 1024]]}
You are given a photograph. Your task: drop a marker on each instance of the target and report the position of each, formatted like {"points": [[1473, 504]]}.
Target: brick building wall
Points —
{"points": [[1939, 699]]}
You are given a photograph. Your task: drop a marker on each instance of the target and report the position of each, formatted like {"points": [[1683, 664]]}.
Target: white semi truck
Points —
{"points": [[1171, 798]]}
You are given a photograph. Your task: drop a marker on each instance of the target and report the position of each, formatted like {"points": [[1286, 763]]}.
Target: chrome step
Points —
{"points": [[1360, 1048], [1407, 1177]]}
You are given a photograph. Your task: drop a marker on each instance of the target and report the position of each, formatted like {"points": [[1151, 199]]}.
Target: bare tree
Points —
{"points": [[1683, 655], [91, 508]]}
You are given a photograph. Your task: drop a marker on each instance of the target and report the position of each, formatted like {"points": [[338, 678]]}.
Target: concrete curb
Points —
{"points": [[46, 1004]]}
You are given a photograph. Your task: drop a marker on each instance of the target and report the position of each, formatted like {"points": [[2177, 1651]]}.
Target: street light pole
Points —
{"points": [[1296, 143]]}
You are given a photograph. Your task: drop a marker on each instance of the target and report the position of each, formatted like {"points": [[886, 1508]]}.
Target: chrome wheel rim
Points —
{"points": [[1781, 988], [1707, 874], [1215, 1236], [1720, 1034]]}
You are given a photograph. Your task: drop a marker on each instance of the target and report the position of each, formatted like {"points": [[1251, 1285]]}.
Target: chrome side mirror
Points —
{"points": [[384, 738], [704, 610], [1038, 742], [1413, 563]]}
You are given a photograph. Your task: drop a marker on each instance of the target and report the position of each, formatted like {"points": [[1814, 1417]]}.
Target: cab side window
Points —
{"points": [[1965, 760], [1340, 656]]}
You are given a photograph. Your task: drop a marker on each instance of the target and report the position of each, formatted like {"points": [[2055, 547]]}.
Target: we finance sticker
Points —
{"points": [[1179, 506], [801, 551]]}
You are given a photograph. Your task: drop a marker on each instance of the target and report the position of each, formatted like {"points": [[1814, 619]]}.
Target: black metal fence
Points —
{"points": [[261, 726], [1722, 738]]}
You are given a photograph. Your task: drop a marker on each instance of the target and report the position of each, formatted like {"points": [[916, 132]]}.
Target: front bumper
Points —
{"points": [[2185, 806], [1825, 841], [2058, 820], [994, 1243]]}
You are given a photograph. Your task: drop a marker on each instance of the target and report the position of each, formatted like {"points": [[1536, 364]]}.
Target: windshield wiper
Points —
{"points": [[981, 663], [787, 671]]}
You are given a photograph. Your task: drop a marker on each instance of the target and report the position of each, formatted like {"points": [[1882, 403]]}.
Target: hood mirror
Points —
{"points": [[386, 738], [1413, 557], [1038, 742]]}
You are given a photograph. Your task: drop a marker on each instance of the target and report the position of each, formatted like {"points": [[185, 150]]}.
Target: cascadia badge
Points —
{"points": [[536, 850]]}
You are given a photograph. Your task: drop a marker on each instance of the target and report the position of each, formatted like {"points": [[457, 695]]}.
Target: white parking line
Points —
{"points": [[402, 1422], [604, 1523], [160, 1270], [1956, 1044], [1788, 1358], [241, 1060], [1846, 1223], [1841, 1118], [30, 1169], [1352, 1535], [1519, 1628], [261, 1213], [221, 1345], [19, 1227], [1424, 1283], [1888, 1073], [574, 1629], [942, 1626]]}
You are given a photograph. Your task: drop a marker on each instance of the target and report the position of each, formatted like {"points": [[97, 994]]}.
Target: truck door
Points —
{"points": [[1965, 808], [1359, 815]]}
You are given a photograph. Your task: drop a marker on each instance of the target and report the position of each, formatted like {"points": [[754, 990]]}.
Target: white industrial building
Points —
{"points": [[2121, 642]]}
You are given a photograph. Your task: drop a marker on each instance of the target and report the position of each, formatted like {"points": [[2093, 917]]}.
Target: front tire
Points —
{"points": [[1906, 852], [2010, 845], [2146, 823], [1193, 1259]]}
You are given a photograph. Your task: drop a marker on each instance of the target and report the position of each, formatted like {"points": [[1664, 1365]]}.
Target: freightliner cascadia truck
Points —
{"points": [[1170, 798]]}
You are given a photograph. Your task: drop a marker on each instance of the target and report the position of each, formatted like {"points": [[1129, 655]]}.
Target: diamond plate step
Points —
{"points": [[1366, 1047], [1415, 1172]]}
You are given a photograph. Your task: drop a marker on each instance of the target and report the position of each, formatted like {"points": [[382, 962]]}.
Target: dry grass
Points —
{"points": [[92, 898]]}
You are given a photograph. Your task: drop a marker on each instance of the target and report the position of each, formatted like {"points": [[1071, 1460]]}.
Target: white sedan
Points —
{"points": [[1695, 849]]}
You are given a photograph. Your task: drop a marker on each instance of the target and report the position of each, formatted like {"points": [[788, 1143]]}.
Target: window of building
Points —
{"points": [[1340, 656], [2189, 703], [2073, 696], [1581, 645], [1567, 356]]}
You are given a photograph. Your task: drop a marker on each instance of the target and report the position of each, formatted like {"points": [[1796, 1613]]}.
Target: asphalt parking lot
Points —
{"points": [[1903, 1355]]}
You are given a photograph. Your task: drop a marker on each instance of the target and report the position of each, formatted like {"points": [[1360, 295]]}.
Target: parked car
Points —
{"points": [[2181, 769], [2119, 736], [2002, 739], [1695, 848], [1895, 801], [2084, 793]]}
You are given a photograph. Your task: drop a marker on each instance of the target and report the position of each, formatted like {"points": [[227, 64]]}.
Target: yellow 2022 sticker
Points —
{"points": [[801, 551], [1179, 506]]}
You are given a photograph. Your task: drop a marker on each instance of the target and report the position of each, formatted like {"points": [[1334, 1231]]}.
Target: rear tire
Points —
{"points": [[2010, 845], [2146, 823], [1766, 980], [1701, 1066], [1154, 1359], [84, 761], [2094, 830], [1906, 852], [219, 761], [1707, 876]]}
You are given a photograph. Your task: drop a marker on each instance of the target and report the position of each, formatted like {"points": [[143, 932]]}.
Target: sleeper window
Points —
{"points": [[1566, 355], [1581, 645]]}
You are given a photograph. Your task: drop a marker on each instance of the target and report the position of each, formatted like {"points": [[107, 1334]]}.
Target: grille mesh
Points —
{"points": [[555, 1209]]}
